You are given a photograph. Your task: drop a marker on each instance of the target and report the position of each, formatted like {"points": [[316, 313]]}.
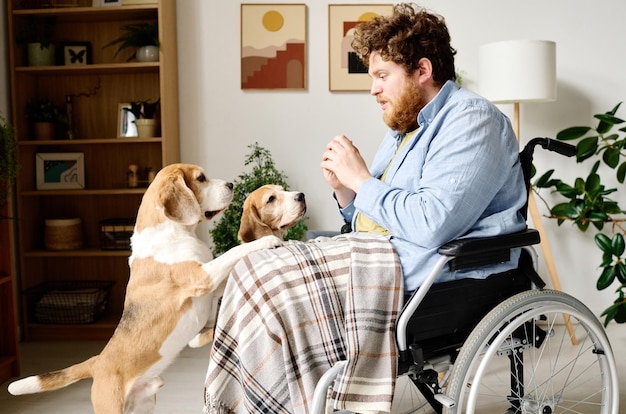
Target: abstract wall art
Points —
{"points": [[273, 46]]}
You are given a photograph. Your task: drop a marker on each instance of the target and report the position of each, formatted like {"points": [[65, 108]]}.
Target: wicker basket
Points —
{"points": [[63, 234], [115, 233], [68, 301]]}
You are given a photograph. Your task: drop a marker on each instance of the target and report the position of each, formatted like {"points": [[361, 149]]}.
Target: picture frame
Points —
{"points": [[60, 170], [126, 127], [273, 46], [106, 3], [76, 53], [346, 72]]}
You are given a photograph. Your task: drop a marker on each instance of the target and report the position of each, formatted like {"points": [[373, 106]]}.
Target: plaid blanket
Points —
{"points": [[288, 314]]}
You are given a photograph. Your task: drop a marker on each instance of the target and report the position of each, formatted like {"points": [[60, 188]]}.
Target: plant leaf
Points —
{"points": [[586, 148], [611, 157], [606, 278], [603, 242], [572, 133], [621, 172], [617, 244]]}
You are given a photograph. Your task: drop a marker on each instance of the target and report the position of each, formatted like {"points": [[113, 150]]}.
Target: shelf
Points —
{"points": [[91, 69], [93, 14], [95, 141], [98, 192], [90, 252], [102, 329], [99, 88]]}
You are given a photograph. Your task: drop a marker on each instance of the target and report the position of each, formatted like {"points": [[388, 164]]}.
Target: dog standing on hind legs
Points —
{"points": [[169, 296]]}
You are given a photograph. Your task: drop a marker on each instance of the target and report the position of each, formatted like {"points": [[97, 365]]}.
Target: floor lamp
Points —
{"points": [[519, 71]]}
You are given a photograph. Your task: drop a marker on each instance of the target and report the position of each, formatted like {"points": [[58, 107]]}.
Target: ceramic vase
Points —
{"points": [[40, 56], [147, 128], [147, 54], [44, 130]]}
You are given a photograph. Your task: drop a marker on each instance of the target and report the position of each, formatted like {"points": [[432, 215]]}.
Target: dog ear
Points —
{"points": [[251, 227], [178, 201]]}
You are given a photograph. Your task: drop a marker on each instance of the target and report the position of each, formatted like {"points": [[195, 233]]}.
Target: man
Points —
{"points": [[447, 168]]}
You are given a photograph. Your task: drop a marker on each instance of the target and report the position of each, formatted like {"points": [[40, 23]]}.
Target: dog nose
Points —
{"points": [[300, 197], [230, 186]]}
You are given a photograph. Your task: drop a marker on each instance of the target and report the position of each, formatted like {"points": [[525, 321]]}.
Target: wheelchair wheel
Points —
{"points": [[520, 359]]}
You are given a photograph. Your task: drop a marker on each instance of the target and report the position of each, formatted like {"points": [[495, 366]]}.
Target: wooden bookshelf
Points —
{"points": [[111, 80]]}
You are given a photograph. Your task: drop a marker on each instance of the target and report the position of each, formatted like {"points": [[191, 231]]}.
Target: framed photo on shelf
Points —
{"points": [[273, 46], [60, 171], [76, 53], [346, 71], [104, 3], [126, 127]]}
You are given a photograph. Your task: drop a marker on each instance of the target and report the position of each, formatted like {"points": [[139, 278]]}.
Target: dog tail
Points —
{"points": [[53, 380]]}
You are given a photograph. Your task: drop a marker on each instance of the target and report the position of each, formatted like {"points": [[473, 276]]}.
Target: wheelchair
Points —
{"points": [[498, 345]]}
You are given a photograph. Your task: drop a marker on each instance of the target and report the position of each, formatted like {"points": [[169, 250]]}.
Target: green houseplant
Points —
{"points": [[37, 36], [144, 37], [263, 172], [588, 205], [45, 115], [146, 117], [9, 165]]}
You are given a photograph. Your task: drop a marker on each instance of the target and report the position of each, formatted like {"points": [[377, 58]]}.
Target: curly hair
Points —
{"points": [[409, 34]]}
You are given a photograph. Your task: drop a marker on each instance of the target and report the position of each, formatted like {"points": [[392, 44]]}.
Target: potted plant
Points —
{"points": [[263, 172], [142, 36], [146, 114], [588, 205], [37, 37], [9, 165], [45, 115]]}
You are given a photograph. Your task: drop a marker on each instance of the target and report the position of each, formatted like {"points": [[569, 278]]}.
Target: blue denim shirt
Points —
{"points": [[459, 177]]}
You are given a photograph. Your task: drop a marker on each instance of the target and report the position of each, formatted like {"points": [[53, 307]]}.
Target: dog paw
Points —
{"points": [[270, 242], [201, 339]]}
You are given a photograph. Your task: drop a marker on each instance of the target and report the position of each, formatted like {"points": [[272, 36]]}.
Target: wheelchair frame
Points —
{"points": [[524, 325]]}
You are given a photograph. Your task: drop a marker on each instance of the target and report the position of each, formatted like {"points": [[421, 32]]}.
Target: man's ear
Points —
{"points": [[424, 71]]}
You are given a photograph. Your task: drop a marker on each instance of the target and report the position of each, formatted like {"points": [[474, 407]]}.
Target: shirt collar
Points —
{"points": [[431, 109]]}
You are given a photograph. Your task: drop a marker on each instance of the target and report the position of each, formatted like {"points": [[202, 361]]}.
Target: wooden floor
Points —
{"points": [[182, 392]]}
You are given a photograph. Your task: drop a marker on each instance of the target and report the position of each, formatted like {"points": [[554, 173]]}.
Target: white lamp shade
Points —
{"points": [[518, 71]]}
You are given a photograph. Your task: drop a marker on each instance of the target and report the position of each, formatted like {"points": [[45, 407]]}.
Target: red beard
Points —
{"points": [[403, 115]]}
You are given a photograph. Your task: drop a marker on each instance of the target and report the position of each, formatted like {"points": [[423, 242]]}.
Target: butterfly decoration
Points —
{"points": [[77, 57]]}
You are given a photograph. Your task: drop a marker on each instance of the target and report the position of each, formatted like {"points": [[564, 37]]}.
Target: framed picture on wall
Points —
{"points": [[273, 46], [60, 171], [346, 71]]}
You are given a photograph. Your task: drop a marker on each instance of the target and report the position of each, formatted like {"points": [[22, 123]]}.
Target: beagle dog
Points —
{"points": [[270, 210], [169, 296]]}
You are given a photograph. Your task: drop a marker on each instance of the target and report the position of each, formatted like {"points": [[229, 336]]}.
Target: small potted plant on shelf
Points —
{"points": [[146, 115], [37, 37], [9, 165], [45, 116], [142, 36]]}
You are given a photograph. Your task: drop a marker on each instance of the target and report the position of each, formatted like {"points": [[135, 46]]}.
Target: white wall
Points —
{"points": [[219, 120]]}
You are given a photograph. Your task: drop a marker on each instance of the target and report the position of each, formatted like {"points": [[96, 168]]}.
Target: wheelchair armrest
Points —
{"points": [[477, 245], [481, 251]]}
